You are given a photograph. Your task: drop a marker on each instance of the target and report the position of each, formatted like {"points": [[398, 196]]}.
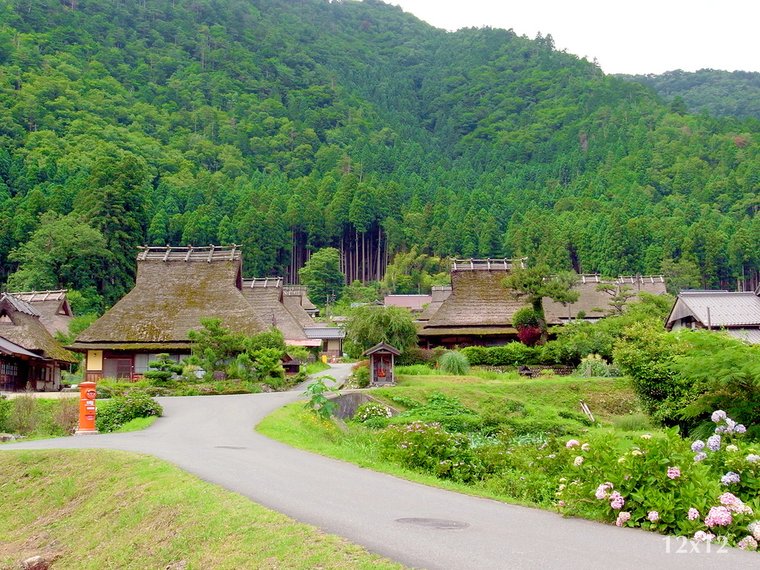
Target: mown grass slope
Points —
{"points": [[107, 509]]}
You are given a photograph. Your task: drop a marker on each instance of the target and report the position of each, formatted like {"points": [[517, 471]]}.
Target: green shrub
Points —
{"points": [[416, 355], [122, 409], [594, 366], [454, 363], [360, 374], [430, 448], [24, 415], [5, 412], [510, 354], [405, 401], [162, 369], [526, 317]]}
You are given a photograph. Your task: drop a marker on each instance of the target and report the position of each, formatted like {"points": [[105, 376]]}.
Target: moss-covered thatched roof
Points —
{"points": [[172, 295], [596, 304], [20, 324], [478, 299], [266, 297], [53, 307]]}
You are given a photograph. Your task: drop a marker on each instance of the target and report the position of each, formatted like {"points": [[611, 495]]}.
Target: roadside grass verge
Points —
{"points": [[136, 424], [104, 509], [315, 367]]}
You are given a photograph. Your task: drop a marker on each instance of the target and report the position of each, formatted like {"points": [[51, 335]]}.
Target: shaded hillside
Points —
{"points": [[719, 93], [288, 126]]}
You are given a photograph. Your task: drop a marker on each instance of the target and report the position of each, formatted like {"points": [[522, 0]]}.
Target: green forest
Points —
{"points": [[288, 126], [711, 91]]}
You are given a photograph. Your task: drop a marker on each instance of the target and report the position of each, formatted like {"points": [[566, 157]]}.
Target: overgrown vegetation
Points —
{"points": [[38, 417], [370, 325], [156, 508]]}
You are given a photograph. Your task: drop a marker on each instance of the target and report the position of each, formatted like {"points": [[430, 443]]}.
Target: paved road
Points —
{"points": [[213, 438]]}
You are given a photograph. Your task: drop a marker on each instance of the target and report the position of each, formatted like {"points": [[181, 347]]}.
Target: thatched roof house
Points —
{"points": [[23, 334], [175, 288], [53, 307], [266, 296], [737, 313], [478, 310], [594, 304]]}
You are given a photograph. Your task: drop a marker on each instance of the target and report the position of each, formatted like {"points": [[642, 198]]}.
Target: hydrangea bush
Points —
{"points": [[704, 490], [370, 410]]}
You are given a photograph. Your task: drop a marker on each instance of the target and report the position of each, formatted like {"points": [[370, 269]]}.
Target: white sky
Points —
{"points": [[640, 36]]}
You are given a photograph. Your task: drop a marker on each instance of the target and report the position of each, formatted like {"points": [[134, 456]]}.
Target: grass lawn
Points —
{"points": [[106, 509]]}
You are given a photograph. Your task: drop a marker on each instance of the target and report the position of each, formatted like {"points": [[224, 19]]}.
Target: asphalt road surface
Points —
{"points": [[419, 526]]}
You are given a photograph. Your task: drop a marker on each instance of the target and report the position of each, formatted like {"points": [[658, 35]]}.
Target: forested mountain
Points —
{"points": [[719, 93], [287, 126]]}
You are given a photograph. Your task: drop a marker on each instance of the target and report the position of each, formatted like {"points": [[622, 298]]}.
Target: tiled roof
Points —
{"points": [[751, 336], [726, 308]]}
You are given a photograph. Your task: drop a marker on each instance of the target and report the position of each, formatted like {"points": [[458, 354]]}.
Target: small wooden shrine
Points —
{"points": [[381, 364]]}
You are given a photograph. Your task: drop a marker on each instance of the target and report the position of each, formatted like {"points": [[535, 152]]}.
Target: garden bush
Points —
{"points": [[454, 363], [360, 373], [430, 448], [510, 354], [416, 355], [122, 409], [594, 366], [5, 412]]}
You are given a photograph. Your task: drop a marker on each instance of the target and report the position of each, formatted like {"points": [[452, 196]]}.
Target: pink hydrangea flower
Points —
{"points": [[616, 500], [578, 461], [693, 514], [718, 516], [754, 528], [674, 472], [603, 490], [747, 543], [653, 516], [718, 416], [702, 536], [585, 447], [572, 443], [622, 518]]}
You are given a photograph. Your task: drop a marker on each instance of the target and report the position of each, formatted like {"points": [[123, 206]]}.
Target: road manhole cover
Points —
{"points": [[434, 523], [228, 447]]}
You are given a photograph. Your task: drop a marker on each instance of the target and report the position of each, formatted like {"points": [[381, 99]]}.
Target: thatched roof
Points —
{"points": [[20, 324], [293, 305], [299, 291], [596, 304], [478, 299], [173, 292], [439, 294], [266, 297], [53, 307]]}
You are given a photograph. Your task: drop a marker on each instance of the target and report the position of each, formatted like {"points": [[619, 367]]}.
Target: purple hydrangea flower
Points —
{"points": [[718, 416], [740, 428], [730, 478], [693, 514], [616, 500], [701, 456], [752, 458], [698, 446], [713, 442]]}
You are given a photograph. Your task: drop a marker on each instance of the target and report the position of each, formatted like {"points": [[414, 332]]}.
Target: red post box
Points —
{"points": [[87, 411]]}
